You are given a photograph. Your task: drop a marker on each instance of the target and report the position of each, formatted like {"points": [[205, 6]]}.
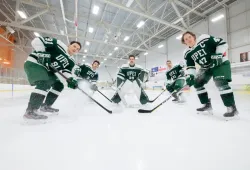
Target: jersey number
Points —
{"points": [[203, 61]]}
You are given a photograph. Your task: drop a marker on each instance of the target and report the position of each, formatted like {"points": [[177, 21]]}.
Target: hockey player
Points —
{"points": [[175, 81], [48, 52], [89, 73], [210, 53], [130, 77]]}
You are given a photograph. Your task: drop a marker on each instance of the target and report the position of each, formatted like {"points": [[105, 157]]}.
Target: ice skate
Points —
{"points": [[49, 109], [33, 116], [178, 98], [232, 113], [206, 109]]}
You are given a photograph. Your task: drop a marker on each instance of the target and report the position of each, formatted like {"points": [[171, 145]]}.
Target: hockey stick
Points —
{"points": [[151, 101], [164, 101], [61, 74], [104, 96]]}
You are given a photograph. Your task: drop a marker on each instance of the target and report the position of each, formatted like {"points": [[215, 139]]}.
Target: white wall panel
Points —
{"points": [[248, 18], [201, 28], [239, 38], [237, 8], [238, 22]]}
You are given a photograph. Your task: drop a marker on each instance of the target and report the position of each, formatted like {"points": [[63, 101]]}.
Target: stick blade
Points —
{"points": [[144, 111]]}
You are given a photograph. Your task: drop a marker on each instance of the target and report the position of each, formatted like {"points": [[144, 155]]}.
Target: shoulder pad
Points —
{"points": [[202, 37], [186, 51], [125, 65], [63, 46]]}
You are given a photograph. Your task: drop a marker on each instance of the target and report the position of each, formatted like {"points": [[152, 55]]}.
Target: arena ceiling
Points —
{"points": [[106, 28]]}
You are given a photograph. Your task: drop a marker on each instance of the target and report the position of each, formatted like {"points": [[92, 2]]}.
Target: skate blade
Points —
{"points": [[236, 117], [210, 112]]}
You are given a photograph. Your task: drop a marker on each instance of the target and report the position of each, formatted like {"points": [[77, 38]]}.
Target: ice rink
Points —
{"points": [[83, 136]]}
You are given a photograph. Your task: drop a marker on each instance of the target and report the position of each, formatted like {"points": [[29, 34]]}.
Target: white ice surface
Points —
{"points": [[83, 136]]}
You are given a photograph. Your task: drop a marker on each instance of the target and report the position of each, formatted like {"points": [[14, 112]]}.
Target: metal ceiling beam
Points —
{"points": [[214, 7], [34, 16], [64, 19], [143, 15], [71, 36], [40, 5], [178, 14], [189, 8], [17, 8], [164, 28]]}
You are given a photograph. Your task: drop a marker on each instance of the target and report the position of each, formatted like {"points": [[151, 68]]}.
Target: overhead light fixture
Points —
{"points": [[116, 48], [95, 9], [91, 29], [118, 67], [129, 3], [85, 51], [83, 60], [105, 59], [178, 37], [160, 46], [110, 54], [136, 58], [37, 34], [84, 56], [102, 62], [22, 14], [140, 24], [126, 38], [217, 18], [146, 53], [87, 43], [62, 32], [106, 41]]}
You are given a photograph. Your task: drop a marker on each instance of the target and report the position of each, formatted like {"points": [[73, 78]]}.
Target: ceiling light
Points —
{"points": [[22, 14], [140, 24], [217, 18], [84, 56], [110, 54], [136, 58], [91, 29], [36, 34], [178, 37], [160, 46], [146, 53], [95, 9], [116, 48], [83, 60], [85, 51], [87, 43], [106, 41], [105, 59], [62, 32], [102, 62], [129, 3], [126, 38]]}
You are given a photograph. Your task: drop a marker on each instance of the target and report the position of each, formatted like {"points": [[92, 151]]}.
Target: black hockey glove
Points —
{"points": [[94, 87], [72, 83], [44, 59], [190, 80], [216, 60]]}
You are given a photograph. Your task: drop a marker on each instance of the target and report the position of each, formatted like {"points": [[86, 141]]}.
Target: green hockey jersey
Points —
{"points": [[205, 46], [130, 73], [174, 73], [85, 71], [60, 58]]}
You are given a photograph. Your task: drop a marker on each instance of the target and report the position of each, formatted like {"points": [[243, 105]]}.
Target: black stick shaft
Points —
{"points": [[109, 111]]}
